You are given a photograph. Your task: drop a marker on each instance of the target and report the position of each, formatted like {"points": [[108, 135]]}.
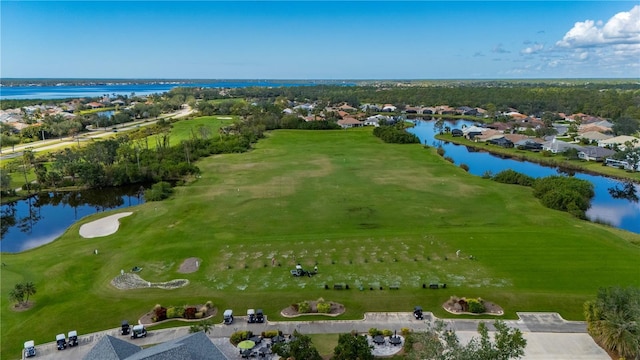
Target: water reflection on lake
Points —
{"points": [[42, 218], [621, 213]]}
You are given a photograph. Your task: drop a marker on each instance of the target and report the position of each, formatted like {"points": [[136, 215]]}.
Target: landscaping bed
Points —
{"points": [[328, 308]]}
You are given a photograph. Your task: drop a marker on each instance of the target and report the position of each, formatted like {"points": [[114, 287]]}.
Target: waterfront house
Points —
{"points": [[595, 153]]}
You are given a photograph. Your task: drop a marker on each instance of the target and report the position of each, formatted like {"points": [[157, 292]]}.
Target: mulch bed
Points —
{"points": [[491, 309], [146, 319], [336, 309]]}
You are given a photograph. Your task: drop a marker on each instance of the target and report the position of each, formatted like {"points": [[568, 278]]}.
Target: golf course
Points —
{"points": [[368, 214]]}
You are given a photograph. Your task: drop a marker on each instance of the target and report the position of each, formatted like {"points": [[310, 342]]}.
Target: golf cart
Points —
{"points": [[259, 316], [251, 316], [73, 338], [61, 341], [138, 332], [228, 316], [29, 348], [125, 328], [299, 271], [417, 312]]}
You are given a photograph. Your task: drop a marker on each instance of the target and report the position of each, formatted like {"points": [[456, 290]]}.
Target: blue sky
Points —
{"points": [[320, 40]]}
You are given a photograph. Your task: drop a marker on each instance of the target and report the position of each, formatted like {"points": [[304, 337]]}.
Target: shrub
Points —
{"points": [[374, 332], [209, 304], [513, 177], [440, 151], [304, 307], [324, 307], [270, 333], [174, 312], [405, 331], [190, 313], [464, 167], [238, 336], [160, 313], [387, 332], [203, 309], [295, 307], [159, 191], [449, 159], [476, 306], [199, 315]]}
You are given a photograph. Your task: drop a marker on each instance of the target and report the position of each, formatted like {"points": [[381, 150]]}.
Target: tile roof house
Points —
{"points": [[594, 135], [558, 146], [196, 346], [349, 122]]}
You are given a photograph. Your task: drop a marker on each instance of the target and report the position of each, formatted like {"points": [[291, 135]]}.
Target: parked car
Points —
{"points": [[251, 316], [259, 316], [73, 338], [417, 312], [61, 341], [125, 329], [138, 331], [228, 316], [29, 348]]}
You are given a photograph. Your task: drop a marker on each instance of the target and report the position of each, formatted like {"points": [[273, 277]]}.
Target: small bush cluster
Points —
{"points": [[323, 306], [395, 134], [241, 335], [476, 306], [176, 312], [405, 331], [158, 191], [374, 332], [270, 334], [513, 177], [464, 167], [304, 307]]}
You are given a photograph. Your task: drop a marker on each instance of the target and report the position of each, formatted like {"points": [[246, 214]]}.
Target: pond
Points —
{"points": [[617, 212], [40, 219]]}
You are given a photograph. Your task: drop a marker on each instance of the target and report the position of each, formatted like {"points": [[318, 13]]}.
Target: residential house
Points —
{"points": [[472, 131], [456, 133], [528, 144], [595, 153], [95, 105], [196, 346], [349, 122], [427, 111], [559, 146], [620, 142], [411, 109], [346, 107], [372, 107], [389, 108], [376, 120], [594, 136], [501, 141]]}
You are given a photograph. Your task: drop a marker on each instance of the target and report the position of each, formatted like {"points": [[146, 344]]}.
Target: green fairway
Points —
{"points": [[186, 129], [369, 214]]}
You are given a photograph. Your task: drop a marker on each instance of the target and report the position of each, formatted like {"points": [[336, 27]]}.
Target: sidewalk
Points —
{"points": [[548, 336]]}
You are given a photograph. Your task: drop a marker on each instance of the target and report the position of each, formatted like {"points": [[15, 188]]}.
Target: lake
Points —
{"points": [[620, 213], [73, 91], [42, 218]]}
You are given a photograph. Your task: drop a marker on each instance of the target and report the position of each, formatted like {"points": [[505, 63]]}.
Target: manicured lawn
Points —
{"points": [[369, 214], [186, 129]]}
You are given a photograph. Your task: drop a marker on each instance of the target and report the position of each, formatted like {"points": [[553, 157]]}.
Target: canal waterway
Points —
{"points": [[620, 213], [40, 219]]}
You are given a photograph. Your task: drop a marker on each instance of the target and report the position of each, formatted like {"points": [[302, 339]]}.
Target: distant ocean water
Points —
{"points": [[73, 91]]}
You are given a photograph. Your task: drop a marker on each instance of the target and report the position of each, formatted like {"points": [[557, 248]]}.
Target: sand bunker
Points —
{"points": [[190, 265], [102, 227], [128, 281]]}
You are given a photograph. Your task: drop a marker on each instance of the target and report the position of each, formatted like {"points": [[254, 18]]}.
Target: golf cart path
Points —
{"points": [[548, 335], [102, 227]]}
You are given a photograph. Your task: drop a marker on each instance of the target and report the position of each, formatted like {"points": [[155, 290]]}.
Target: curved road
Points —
{"points": [[42, 145]]}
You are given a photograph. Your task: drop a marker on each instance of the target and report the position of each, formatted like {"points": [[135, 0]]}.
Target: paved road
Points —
{"points": [[42, 145], [549, 337]]}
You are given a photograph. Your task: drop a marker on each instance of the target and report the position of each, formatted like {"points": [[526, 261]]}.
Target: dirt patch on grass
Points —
{"points": [[190, 265], [23, 306], [128, 281], [336, 309]]}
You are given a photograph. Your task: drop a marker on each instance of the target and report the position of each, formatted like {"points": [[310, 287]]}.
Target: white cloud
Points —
{"points": [[498, 49], [535, 48], [622, 28]]}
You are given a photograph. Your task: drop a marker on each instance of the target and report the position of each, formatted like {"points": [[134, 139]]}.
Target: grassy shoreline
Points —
{"points": [[366, 212], [589, 167]]}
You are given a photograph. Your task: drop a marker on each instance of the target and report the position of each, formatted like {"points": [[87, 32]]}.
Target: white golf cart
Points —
{"points": [[61, 341], [228, 316], [251, 316], [138, 331], [73, 338], [29, 348]]}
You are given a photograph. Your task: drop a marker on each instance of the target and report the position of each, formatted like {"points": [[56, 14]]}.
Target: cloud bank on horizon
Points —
{"points": [[321, 40]]}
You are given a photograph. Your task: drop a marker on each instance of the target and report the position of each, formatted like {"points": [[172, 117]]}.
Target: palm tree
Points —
{"points": [[28, 289]]}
